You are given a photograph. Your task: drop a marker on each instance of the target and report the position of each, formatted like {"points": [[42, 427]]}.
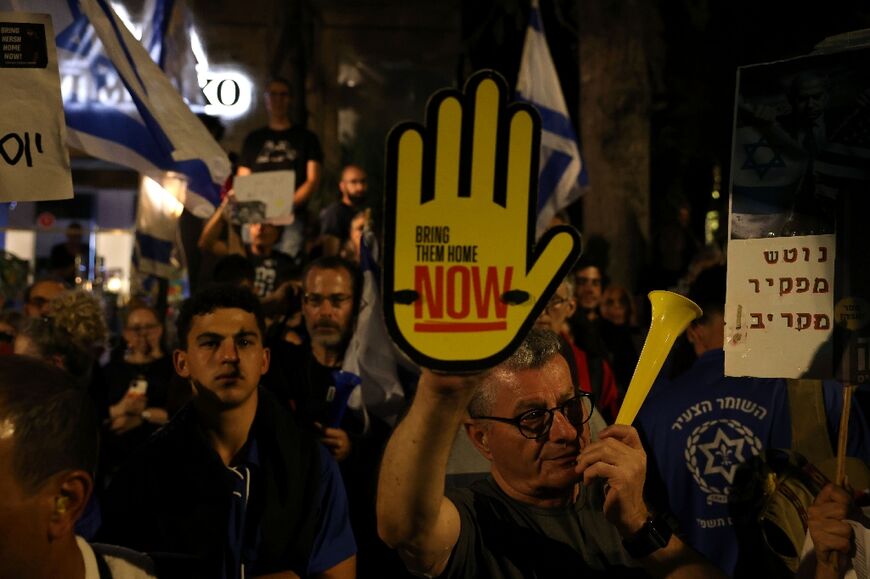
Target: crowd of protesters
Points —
{"points": [[239, 447]]}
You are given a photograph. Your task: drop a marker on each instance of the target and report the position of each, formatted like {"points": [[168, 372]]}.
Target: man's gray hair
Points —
{"points": [[537, 349]]}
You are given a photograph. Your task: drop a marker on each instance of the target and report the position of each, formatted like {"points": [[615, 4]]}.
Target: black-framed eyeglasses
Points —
{"points": [[536, 423], [335, 300]]}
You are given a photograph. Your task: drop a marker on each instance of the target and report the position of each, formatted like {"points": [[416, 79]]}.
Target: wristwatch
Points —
{"points": [[652, 536]]}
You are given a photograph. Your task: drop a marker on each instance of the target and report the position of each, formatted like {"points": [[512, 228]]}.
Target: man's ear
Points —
{"points": [[267, 357], [572, 307], [71, 493], [179, 358], [692, 333], [478, 435]]}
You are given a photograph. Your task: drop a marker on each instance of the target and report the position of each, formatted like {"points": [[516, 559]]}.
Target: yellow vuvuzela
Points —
{"points": [[671, 314]]}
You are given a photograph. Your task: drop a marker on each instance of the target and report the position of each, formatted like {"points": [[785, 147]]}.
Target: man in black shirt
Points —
{"points": [[336, 218], [282, 145], [303, 374], [63, 255]]}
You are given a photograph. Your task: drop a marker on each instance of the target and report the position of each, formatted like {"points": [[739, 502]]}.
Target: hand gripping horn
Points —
{"points": [[671, 314]]}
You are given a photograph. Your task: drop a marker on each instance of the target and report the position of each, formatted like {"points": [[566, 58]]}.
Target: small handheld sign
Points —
{"points": [[463, 277], [34, 162]]}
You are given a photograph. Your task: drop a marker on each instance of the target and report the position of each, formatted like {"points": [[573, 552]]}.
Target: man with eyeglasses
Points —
{"points": [[283, 145], [304, 377], [539, 513]]}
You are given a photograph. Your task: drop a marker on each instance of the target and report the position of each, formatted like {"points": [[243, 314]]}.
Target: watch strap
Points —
{"points": [[655, 534]]}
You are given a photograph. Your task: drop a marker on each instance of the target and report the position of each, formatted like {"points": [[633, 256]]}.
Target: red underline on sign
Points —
{"points": [[460, 326]]}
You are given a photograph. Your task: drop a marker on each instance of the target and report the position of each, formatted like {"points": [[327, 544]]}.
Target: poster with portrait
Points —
{"points": [[264, 197], [34, 162], [798, 300]]}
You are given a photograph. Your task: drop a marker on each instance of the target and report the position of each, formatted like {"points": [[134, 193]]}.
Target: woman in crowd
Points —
{"points": [[618, 332], [137, 386]]}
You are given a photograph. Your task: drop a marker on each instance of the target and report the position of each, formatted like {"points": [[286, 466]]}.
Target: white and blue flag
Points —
{"points": [[121, 107], [370, 353], [562, 176]]}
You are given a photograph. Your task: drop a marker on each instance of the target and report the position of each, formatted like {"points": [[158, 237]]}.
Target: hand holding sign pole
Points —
{"points": [[463, 279]]}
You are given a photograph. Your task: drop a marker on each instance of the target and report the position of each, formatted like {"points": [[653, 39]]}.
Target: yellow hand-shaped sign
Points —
{"points": [[463, 279]]}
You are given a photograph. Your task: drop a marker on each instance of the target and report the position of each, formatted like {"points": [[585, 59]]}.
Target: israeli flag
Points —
{"points": [[370, 353], [121, 107], [562, 177]]}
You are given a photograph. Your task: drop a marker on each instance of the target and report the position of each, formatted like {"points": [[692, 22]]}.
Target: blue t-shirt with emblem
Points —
{"points": [[702, 426]]}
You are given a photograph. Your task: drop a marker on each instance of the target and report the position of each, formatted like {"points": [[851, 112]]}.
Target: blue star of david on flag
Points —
{"points": [[758, 161]]}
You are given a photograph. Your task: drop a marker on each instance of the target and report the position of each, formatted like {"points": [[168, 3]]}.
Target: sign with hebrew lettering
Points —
{"points": [[779, 316], [463, 277], [800, 168], [34, 163]]}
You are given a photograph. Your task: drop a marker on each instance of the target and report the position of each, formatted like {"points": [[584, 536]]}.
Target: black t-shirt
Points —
{"points": [[501, 538], [302, 383], [335, 220], [158, 373], [271, 271], [269, 150], [119, 376]]}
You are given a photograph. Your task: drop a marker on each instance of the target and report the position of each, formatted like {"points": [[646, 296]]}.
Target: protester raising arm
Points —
{"points": [[528, 419], [414, 516], [209, 239]]}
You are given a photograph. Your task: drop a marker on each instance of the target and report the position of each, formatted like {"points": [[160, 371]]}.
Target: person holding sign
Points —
{"points": [[464, 282], [706, 432], [272, 268], [838, 530], [283, 145], [538, 513]]}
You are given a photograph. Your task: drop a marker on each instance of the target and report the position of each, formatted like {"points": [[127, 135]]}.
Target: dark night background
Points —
{"points": [[693, 47]]}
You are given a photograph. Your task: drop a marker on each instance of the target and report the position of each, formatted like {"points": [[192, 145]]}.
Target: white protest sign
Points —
{"points": [[779, 314], [34, 163], [265, 196]]}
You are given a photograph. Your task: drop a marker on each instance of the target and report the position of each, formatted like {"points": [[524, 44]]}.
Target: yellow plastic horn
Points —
{"points": [[671, 314]]}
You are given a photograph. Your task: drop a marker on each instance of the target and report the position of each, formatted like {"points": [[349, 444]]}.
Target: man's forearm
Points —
{"points": [[303, 193], [311, 184], [411, 484], [208, 239]]}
